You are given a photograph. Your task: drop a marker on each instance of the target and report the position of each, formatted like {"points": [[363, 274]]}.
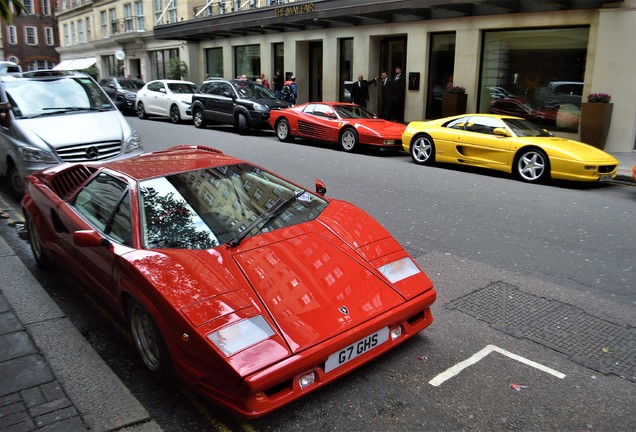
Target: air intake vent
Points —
{"points": [[67, 181]]}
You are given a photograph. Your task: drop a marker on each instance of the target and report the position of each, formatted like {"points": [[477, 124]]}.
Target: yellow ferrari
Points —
{"points": [[510, 144]]}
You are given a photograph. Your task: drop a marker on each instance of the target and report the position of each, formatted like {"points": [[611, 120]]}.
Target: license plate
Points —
{"points": [[605, 178], [356, 349]]}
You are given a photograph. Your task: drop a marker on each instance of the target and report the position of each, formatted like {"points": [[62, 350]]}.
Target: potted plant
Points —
{"points": [[596, 116], [454, 101]]}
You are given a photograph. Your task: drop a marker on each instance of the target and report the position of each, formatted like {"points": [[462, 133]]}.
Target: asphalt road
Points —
{"points": [[535, 323]]}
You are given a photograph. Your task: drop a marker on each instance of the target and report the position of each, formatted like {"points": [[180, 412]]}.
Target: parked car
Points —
{"points": [[123, 91], [50, 117], [251, 289], [241, 103], [509, 144], [347, 124], [166, 98], [10, 68]]}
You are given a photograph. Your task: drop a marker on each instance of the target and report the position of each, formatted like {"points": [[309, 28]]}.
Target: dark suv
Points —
{"points": [[241, 103], [123, 91]]}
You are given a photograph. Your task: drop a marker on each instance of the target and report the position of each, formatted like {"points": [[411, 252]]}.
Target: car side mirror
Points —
{"points": [[5, 114], [321, 189], [229, 95], [330, 115], [89, 238], [501, 132]]}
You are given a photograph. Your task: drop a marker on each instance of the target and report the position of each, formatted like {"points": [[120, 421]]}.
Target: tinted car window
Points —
{"points": [[99, 199], [182, 88], [156, 86]]}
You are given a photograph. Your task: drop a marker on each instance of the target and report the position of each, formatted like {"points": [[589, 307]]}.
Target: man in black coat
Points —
{"points": [[399, 85], [386, 93], [360, 90]]}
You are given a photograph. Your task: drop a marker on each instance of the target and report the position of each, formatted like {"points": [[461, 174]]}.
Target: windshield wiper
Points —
{"points": [[265, 218]]}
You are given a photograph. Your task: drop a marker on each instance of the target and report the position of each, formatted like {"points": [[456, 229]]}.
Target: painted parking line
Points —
{"points": [[456, 369]]}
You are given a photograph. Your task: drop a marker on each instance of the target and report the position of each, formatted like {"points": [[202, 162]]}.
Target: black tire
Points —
{"points": [[532, 166], [16, 182], [141, 111], [175, 115], [283, 131], [241, 124], [348, 140], [423, 150], [149, 343], [198, 119], [41, 258]]}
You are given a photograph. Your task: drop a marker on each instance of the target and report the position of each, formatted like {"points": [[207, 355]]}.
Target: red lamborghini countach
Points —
{"points": [[250, 289], [347, 124]]}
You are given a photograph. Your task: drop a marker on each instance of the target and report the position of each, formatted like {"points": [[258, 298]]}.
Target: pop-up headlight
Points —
{"points": [[399, 270], [240, 335]]}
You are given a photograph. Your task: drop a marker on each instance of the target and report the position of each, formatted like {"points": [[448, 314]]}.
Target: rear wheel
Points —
{"points": [[241, 124], [141, 110], [41, 259], [532, 166], [423, 150], [175, 115], [348, 140], [198, 119], [283, 132], [149, 342]]}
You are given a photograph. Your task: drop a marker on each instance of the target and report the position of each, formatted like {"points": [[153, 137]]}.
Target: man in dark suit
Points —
{"points": [[399, 85], [386, 94], [360, 90]]}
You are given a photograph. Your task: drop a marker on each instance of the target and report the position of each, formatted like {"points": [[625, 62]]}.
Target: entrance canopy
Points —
{"points": [[76, 64]]}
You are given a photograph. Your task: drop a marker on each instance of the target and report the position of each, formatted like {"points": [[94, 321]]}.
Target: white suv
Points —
{"points": [[51, 117]]}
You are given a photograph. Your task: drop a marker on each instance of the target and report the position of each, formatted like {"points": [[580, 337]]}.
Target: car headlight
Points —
{"points": [[133, 143], [36, 155], [240, 335], [260, 108], [130, 96], [399, 270], [388, 142]]}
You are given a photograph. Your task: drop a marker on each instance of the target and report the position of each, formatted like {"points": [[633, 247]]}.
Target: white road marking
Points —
{"points": [[455, 370]]}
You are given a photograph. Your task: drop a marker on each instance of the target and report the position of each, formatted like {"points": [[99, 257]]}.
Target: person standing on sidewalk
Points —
{"points": [[360, 91]]}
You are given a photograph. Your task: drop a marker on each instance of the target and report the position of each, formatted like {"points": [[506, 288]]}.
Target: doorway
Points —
{"points": [[315, 71], [441, 70]]}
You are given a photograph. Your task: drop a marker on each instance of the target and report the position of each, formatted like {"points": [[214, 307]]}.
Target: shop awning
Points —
{"points": [[76, 64]]}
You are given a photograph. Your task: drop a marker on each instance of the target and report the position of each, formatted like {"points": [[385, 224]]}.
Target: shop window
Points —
{"points": [[346, 69], [247, 61], [214, 62], [535, 74]]}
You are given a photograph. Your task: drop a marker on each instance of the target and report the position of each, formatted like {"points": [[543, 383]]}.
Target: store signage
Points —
{"points": [[294, 10]]}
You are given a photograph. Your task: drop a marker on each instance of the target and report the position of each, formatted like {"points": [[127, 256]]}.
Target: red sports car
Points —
{"points": [[250, 289], [347, 124]]}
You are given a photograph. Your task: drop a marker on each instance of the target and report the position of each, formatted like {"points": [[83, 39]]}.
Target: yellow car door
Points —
{"points": [[478, 145]]}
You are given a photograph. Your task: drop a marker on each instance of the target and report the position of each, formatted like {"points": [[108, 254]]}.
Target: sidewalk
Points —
{"points": [[626, 161], [50, 377]]}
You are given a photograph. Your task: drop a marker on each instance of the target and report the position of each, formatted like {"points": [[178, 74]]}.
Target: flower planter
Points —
{"points": [[595, 122], [453, 104]]}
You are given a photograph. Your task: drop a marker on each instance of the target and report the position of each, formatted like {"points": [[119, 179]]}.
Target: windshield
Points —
{"points": [[249, 89], [131, 84], [182, 88], [32, 98], [205, 208], [353, 111], [524, 128]]}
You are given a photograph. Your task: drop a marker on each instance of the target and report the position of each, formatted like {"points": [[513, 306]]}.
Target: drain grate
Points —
{"points": [[593, 342]]}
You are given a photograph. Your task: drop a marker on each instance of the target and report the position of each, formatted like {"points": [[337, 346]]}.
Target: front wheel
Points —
{"points": [[198, 119], [283, 132], [149, 343], [141, 111], [532, 166], [175, 115], [241, 124], [16, 182], [348, 140], [423, 150]]}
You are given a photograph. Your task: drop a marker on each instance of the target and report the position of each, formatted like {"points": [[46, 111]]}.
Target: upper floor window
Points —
{"points": [[28, 5], [88, 29], [67, 35], [114, 25], [12, 34], [139, 16], [128, 20], [31, 35], [48, 34], [46, 7], [104, 21], [80, 31]]}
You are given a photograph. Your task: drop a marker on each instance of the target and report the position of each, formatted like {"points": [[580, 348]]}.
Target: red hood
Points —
{"points": [[305, 281]]}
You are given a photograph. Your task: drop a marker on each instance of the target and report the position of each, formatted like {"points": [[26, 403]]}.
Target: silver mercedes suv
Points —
{"points": [[50, 117]]}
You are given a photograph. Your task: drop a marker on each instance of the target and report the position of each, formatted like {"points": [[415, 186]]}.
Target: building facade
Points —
{"points": [[532, 58], [30, 39]]}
